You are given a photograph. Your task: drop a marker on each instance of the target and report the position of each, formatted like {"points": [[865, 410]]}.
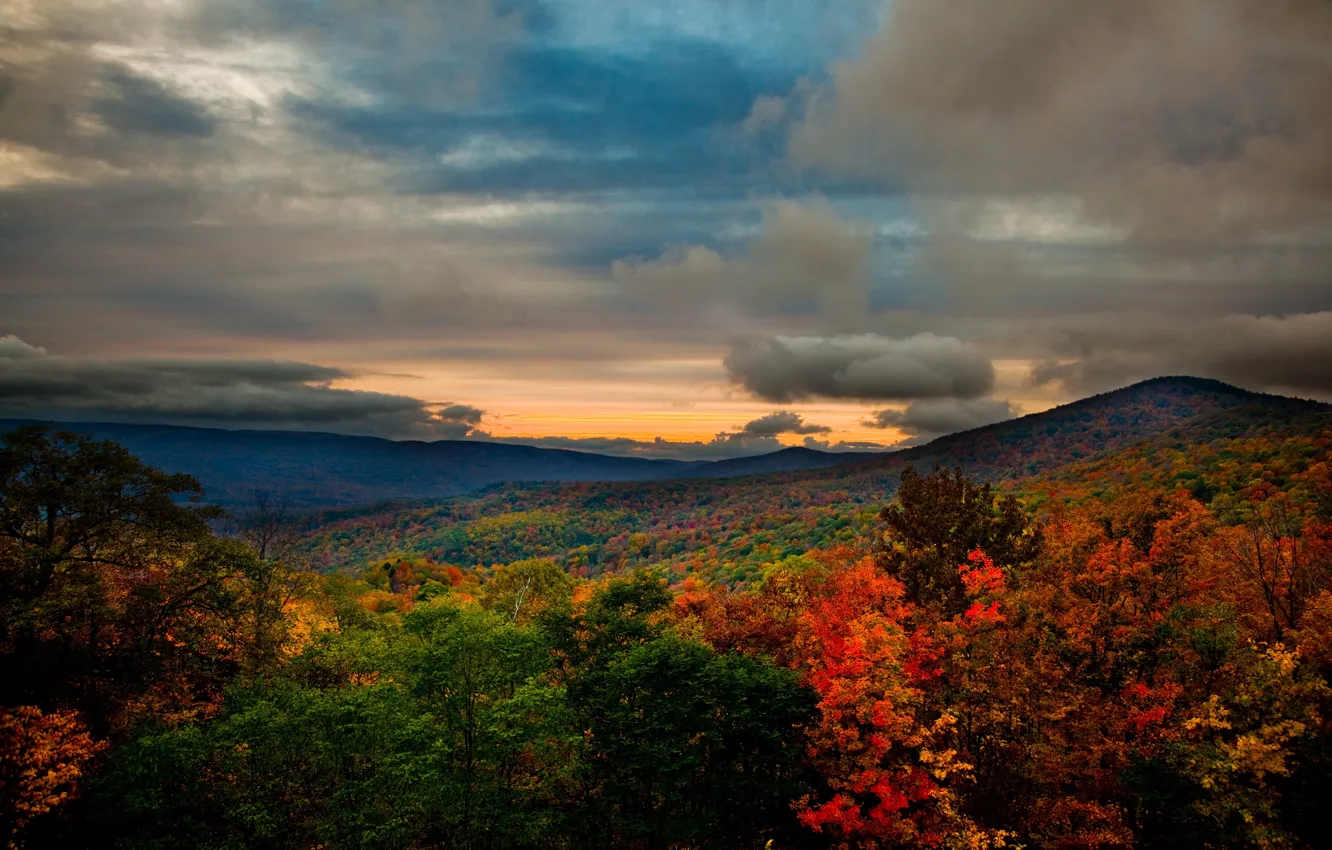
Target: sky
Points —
{"points": [[693, 229]]}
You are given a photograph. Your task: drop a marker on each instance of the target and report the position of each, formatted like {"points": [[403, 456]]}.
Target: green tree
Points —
{"points": [[522, 589], [464, 666], [687, 747], [936, 521]]}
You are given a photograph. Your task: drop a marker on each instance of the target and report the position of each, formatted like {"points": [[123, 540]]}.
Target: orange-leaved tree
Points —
{"points": [[883, 756]]}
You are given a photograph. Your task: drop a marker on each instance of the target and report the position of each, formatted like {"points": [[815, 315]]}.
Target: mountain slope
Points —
{"points": [[323, 470], [1090, 426], [740, 523]]}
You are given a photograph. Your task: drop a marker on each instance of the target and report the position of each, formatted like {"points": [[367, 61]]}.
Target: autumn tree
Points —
{"points": [[89, 535], [44, 758], [1285, 557], [932, 525], [116, 601]]}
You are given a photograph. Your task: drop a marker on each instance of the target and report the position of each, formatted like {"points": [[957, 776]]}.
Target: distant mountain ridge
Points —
{"points": [[322, 470], [793, 459], [328, 471]]}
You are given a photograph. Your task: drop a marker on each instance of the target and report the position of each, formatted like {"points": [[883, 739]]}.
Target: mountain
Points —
{"points": [[1090, 426], [316, 470], [734, 525], [323, 471]]}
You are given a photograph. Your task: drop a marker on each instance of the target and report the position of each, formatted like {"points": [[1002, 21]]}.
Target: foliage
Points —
{"points": [[117, 605], [936, 522], [1122, 659], [43, 757]]}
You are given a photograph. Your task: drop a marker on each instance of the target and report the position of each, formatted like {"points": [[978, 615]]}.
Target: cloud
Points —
{"points": [[806, 254], [863, 366], [135, 104], [1277, 353], [463, 413], [449, 180], [455, 421], [929, 418], [758, 436], [1184, 121], [435, 52], [782, 422], [767, 112], [13, 348], [562, 119], [235, 393]]}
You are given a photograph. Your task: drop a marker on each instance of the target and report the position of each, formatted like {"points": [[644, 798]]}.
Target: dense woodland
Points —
{"points": [[1122, 648]]}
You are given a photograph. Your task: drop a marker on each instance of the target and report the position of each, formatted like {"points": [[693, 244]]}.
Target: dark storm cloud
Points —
{"points": [[254, 393], [134, 104], [310, 212], [1278, 353], [105, 263], [782, 422], [935, 417], [862, 366], [1184, 121], [1144, 156]]}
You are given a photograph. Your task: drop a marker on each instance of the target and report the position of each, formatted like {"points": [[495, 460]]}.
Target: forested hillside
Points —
{"points": [[1201, 435], [1117, 661]]}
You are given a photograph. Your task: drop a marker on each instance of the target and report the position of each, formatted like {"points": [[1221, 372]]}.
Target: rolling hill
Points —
{"points": [[737, 524]]}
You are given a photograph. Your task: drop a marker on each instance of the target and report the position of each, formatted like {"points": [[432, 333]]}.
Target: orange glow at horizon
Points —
{"points": [[654, 401]]}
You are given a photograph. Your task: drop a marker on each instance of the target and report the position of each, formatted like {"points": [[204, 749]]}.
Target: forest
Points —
{"points": [[1113, 649]]}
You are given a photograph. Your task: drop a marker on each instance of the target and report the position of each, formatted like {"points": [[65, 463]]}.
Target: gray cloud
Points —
{"points": [[431, 52], [1184, 121], [767, 112], [138, 105], [805, 254], [1078, 166], [782, 422], [464, 413], [1277, 353], [931, 418], [863, 366], [250, 393]]}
